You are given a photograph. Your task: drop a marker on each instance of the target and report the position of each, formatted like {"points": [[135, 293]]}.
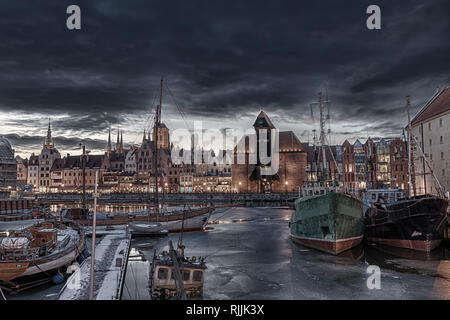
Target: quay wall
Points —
{"points": [[235, 199], [15, 206]]}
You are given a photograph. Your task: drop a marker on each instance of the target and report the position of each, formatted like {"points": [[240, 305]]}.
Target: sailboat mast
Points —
{"points": [[322, 136], [156, 153]]}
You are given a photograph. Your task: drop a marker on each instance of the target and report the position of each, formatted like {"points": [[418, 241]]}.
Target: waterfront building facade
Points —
{"points": [[431, 129], [8, 166]]}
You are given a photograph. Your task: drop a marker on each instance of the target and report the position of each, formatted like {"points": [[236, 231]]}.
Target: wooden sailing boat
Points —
{"points": [[192, 219], [32, 256]]}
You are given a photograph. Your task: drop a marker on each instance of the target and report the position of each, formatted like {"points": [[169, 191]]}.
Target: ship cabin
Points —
{"points": [[382, 197], [164, 282], [318, 188], [32, 242]]}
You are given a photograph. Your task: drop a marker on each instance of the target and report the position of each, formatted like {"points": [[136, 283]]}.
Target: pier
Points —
{"points": [[111, 255]]}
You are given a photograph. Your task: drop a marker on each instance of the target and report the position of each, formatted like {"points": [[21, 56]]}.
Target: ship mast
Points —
{"points": [[411, 173], [322, 136], [156, 149]]}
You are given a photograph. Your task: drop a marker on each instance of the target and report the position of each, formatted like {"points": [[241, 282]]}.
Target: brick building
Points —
{"points": [[248, 177]]}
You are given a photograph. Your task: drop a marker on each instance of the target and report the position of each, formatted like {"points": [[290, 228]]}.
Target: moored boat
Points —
{"points": [[415, 223], [174, 276], [325, 218], [39, 250], [330, 222], [149, 229]]}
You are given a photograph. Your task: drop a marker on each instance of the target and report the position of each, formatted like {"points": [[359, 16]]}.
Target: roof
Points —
{"points": [[262, 120], [6, 151], [288, 141], [114, 156], [348, 146], [58, 164], [33, 161], [92, 161], [438, 104]]}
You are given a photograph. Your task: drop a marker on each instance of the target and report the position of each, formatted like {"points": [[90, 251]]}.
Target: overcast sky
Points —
{"points": [[223, 61]]}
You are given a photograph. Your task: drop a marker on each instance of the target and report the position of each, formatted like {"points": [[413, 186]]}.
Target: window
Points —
{"points": [[429, 126], [440, 123], [431, 142], [442, 156], [186, 275], [163, 273], [197, 276], [442, 139]]}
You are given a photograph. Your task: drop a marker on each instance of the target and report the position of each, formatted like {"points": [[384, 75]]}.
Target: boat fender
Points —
{"points": [[72, 268], [85, 253], [58, 278], [81, 258]]}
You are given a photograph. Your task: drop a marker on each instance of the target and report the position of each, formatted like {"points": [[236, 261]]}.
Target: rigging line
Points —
{"points": [[1, 291], [180, 108], [226, 212], [126, 287], [147, 119]]}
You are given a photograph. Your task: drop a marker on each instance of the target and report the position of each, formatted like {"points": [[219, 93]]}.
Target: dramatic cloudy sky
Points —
{"points": [[223, 61]]}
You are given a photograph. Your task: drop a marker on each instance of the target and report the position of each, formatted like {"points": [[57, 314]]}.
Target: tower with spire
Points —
{"points": [[48, 144], [46, 158], [109, 146]]}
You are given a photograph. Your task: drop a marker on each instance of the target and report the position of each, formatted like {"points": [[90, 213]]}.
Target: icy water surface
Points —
{"points": [[249, 256]]}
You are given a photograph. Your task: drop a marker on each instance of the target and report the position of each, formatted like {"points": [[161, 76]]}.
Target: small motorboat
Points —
{"points": [[147, 229], [174, 276]]}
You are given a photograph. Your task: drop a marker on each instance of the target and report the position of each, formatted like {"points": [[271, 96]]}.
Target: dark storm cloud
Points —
{"points": [[27, 142], [221, 59]]}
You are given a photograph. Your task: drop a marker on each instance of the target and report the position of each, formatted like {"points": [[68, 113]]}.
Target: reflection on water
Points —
{"points": [[379, 252], [434, 264], [119, 208], [105, 208]]}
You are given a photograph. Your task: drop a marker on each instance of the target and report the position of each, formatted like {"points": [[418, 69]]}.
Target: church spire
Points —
{"points": [[48, 144], [121, 141], [145, 137], [109, 147], [118, 141]]}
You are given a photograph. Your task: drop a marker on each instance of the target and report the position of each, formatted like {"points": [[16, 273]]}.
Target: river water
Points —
{"points": [[249, 256]]}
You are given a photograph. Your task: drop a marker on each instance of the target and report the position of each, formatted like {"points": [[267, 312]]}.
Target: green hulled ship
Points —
{"points": [[330, 222]]}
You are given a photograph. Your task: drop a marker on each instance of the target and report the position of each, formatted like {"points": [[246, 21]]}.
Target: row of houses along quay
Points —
{"points": [[373, 163]]}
